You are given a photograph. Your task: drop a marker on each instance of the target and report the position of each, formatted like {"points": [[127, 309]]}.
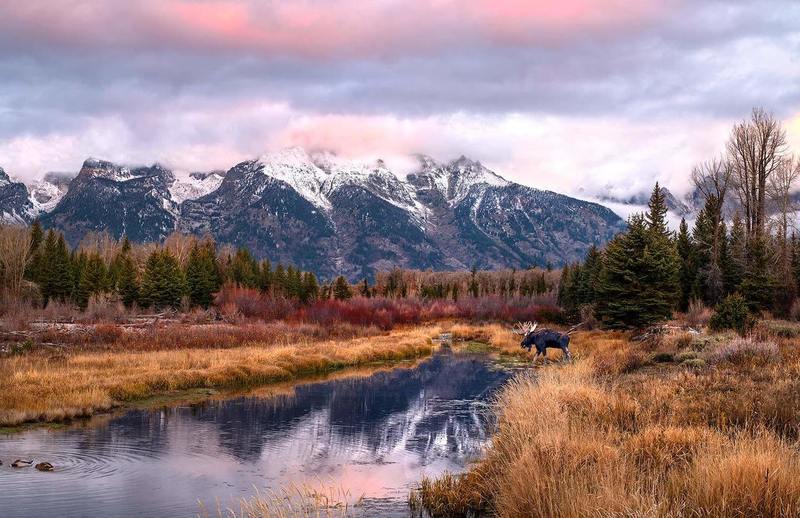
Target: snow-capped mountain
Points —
{"points": [[330, 215], [122, 200], [15, 206], [334, 216]]}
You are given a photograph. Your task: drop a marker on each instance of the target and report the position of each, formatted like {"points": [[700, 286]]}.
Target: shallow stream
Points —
{"points": [[374, 435]]}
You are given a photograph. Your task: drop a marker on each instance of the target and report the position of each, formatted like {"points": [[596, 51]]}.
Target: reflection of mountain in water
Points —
{"points": [[433, 405], [375, 435]]}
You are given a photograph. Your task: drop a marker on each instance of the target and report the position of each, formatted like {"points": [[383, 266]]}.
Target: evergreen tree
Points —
{"points": [[92, 278], [116, 265], [795, 251], [244, 270], [759, 283], [735, 262], [127, 280], [640, 275], [341, 289], [685, 251], [656, 215], [564, 290], [571, 295], [279, 281], [706, 236], [57, 274], [294, 283], [365, 291], [202, 274], [265, 276], [590, 277], [163, 283], [310, 289]]}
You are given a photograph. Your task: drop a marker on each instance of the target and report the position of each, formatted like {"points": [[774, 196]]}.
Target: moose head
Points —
{"points": [[524, 329]]}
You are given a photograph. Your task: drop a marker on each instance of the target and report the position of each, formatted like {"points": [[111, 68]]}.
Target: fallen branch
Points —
{"points": [[575, 327], [662, 329]]}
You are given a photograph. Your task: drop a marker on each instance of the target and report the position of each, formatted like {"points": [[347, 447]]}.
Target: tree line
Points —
{"points": [[739, 253], [184, 270], [38, 266]]}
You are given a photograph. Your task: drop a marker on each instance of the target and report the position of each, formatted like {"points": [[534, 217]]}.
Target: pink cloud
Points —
{"points": [[320, 29], [353, 135]]}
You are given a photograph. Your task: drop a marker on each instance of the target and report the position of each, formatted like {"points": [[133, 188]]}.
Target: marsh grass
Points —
{"points": [[291, 501], [609, 435], [42, 388]]}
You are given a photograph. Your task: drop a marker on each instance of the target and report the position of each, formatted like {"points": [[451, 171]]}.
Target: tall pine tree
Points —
{"points": [[163, 284], [202, 274], [341, 289], [685, 249], [640, 271]]}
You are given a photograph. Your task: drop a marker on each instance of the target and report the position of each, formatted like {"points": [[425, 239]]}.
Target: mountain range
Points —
{"points": [[323, 213]]}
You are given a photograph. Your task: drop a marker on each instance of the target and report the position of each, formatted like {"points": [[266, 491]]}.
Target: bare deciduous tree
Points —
{"points": [[180, 245], [712, 179], [781, 185], [15, 252], [101, 243], [756, 149]]}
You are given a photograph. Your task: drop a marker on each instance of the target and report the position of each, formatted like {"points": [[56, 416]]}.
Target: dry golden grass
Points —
{"points": [[291, 501], [612, 434], [39, 388]]}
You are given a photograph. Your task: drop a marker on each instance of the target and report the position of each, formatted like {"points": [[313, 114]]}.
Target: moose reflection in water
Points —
{"points": [[374, 435]]}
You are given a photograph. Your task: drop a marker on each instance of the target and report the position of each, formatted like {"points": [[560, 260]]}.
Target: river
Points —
{"points": [[372, 435]]}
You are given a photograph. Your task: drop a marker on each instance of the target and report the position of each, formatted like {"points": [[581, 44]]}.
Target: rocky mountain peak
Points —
{"points": [[96, 168], [327, 213], [59, 179], [204, 175], [453, 180]]}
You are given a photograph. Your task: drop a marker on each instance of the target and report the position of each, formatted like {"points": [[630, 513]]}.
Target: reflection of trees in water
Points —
{"points": [[428, 410], [142, 432]]}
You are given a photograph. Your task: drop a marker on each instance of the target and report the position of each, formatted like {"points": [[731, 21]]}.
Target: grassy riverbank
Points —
{"points": [[44, 387], [684, 426]]}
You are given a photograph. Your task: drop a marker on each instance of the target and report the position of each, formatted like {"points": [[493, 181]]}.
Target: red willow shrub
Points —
{"points": [[252, 303], [384, 312], [381, 312]]}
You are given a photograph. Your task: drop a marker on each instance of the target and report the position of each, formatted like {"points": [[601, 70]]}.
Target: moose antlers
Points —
{"points": [[524, 328]]}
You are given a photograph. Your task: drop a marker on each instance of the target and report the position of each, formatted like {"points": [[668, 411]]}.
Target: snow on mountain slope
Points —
{"points": [[317, 175], [15, 207], [465, 173], [47, 192], [195, 186], [295, 167]]}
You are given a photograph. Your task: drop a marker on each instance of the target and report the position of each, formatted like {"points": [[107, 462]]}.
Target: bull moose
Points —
{"points": [[542, 339]]}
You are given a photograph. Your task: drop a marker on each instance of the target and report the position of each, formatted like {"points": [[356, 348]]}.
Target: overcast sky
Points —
{"points": [[561, 94]]}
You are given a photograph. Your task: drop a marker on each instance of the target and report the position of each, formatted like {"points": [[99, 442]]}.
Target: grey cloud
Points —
{"points": [[694, 61]]}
